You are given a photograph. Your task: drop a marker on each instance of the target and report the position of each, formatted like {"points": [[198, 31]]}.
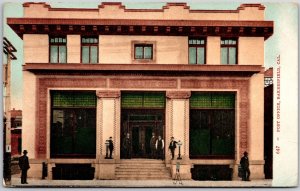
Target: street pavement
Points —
{"points": [[15, 182]]}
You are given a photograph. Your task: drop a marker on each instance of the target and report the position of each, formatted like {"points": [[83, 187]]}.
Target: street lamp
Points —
{"points": [[106, 144], [179, 143]]}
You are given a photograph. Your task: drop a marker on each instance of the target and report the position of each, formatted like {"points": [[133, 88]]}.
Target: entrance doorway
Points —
{"points": [[140, 124]]}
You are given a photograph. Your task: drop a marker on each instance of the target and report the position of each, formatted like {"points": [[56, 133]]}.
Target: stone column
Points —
{"points": [[179, 129], [108, 125]]}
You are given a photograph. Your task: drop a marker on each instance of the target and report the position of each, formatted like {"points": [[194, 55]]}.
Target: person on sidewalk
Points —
{"points": [[152, 146], [245, 166], [172, 147], [24, 166], [160, 147]]}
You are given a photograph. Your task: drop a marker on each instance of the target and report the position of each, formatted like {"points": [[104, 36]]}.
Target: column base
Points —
{"points": [[105, 170]]}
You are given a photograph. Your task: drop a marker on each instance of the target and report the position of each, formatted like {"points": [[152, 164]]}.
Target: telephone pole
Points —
{"points": [[8, 50]]}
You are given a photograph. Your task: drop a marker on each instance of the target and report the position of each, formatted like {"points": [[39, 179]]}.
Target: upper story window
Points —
{"points": [[196, 51], [143, 51], [58, 50], [89, 50], [228, 51]]}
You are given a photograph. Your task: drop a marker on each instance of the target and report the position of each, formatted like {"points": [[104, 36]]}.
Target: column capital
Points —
{"points": [[108, 93], [178, 94]]}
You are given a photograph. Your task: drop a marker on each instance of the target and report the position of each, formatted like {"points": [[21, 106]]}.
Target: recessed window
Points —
{"points": [[212, 125], [229, 51], [89, 50], [58, 50], [73, 124], [143, 51], [196, 51]]}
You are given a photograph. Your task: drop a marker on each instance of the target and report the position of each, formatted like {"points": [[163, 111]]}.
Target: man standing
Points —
{"points": [[110, 147], [172, 147], [152, 145], [127, 146], [245, 166], [160, 147], [24, 166]]}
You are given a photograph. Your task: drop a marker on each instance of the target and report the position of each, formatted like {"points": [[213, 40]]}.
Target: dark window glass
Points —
{"points": [[73, 126], [58, 50], [89, 50], [143, 51], [229, 51], [196, 51], [212, 125]]}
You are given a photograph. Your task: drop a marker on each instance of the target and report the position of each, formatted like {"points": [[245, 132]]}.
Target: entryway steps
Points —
{"points": [[142, 169]]}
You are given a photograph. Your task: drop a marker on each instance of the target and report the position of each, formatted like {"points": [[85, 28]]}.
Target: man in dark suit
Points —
{"points": [[245, 166], [152, 145], [127, 146], [172, 147], [110, 147], [24, 166]]}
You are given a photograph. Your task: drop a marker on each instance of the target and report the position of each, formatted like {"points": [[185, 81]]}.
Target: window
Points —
{"points": [[73, 124], [58, 50], [196, 51], [143, 51], [89, 50], [212, 125], [143, 100], [229, 51]]}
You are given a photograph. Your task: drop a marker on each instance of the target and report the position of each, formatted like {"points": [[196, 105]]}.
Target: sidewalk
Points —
{"points": [[137, 183]]}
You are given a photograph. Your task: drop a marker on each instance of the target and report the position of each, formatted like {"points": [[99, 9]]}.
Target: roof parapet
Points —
{"points": [[247, 5], [167, 6]]}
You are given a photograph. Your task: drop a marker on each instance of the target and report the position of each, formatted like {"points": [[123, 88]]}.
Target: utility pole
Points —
{"points": [[8, 49]]}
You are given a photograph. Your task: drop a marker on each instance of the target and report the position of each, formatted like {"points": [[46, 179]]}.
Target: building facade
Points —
{"points": [[16, 132], [91, 74]]}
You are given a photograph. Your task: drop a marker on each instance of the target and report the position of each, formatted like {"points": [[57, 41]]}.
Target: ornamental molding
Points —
{"points": [[108, 94], [178, 94]]}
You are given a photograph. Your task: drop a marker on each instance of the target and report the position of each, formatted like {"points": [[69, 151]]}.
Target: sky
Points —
{"points": [[276, 12]]}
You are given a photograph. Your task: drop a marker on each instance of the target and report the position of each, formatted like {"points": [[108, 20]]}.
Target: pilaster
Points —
{"points": [[179, 129], [108, 122]]}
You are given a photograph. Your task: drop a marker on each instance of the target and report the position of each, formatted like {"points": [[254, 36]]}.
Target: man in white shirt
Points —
{"points": [[160, 147]]}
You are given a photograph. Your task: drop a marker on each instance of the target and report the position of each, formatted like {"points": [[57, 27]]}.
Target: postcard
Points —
{"points": [[150, 94]]}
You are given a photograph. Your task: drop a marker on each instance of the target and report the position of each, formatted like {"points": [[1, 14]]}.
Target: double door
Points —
{"points": [[141, 136], [140, 127]]}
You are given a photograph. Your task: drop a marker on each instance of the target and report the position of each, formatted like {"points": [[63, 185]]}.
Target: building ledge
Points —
{"points": [[155, 69], [64, 26]]}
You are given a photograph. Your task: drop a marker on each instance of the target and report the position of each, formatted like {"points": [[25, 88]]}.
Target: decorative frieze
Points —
{"points": [[43, 84], [143, 83], [178, 94], [108, 94]]}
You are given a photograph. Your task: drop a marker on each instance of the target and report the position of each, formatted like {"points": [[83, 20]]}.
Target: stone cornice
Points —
{"points": [[65, 26], [142, 67]]}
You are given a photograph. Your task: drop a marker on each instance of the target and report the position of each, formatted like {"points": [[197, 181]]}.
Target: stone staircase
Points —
{"points": [[142, 169]]}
